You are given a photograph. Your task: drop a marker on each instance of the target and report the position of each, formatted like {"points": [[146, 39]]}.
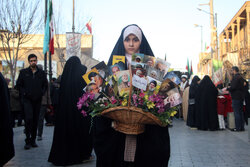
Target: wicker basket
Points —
{"points": [[130, 120]]}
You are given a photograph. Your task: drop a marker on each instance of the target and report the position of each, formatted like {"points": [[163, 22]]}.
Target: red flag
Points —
{"points": [[187, 66], [89, 26], [51, 26]]}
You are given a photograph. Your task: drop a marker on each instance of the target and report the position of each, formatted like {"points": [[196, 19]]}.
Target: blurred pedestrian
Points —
{"points": [[6, 140], [191, 116], [236, 90], [206, 105], [32, 83], [72, 140], [46, 102]]}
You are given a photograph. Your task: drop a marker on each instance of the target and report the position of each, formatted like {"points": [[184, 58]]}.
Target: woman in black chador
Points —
{"points": [[149, 149], [191, 102], [6, 132], [72, 142], [206, 105]]}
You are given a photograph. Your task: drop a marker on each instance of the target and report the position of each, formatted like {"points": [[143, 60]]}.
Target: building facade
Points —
{"points": [[235, 41]]}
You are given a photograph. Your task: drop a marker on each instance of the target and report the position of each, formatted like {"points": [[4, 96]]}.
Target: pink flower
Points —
{"points": [[113, 100], [79, 105], [84, 113], [135, 99], [142, 95]]}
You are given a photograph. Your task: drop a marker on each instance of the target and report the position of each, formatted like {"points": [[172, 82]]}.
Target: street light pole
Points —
{"points": [[214, 43]]}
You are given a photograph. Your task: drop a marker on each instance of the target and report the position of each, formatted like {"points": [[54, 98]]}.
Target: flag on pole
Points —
{"points": [[48, 42], [191, 69], [207, 47], [89, 26], [187, 66]]}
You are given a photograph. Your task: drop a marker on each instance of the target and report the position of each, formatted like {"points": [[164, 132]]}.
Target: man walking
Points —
{"points": [[237, 92], [32, 84]]}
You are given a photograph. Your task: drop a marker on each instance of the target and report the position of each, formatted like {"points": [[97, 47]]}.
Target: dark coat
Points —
{"points": [[191, 118], [237, 87], [206, 105], [15, 101], [6, 132], [72, 141], [32, 86]]}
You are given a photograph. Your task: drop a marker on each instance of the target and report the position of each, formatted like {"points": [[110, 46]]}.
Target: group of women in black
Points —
{"points": [[202, 109], [75, 137]]}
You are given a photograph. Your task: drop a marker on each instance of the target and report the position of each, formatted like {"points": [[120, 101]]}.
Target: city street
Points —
{"points": [[189, 148]]}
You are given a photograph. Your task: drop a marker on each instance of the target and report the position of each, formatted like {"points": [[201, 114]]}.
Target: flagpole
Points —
{"points": [[45, 55], [73, 25]]}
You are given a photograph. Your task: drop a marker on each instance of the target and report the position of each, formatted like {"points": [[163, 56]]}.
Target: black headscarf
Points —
{"points": [[6, 132], [120, 50], [153, 146], [193, 87], [206, 105], [72, 142]]}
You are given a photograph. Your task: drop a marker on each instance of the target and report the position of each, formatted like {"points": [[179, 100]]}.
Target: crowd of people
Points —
{"points": [[75, 136], [206, 106]]}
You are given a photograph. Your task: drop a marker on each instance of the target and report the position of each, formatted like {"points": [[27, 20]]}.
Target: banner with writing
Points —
{"points": [[73, 44]]}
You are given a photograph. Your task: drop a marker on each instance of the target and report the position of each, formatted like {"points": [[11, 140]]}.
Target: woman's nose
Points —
{"points": [[131, 43]]}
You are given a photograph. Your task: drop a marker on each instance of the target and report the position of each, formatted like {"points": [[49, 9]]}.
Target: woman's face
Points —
{"points": [[131, 44]]}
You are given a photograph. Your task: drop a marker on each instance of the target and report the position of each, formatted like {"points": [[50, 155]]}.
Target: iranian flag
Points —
{"points": [[187, 66], [48, 43]]}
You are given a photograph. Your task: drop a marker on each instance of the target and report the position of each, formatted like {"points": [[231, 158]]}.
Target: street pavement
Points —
{"points": [[189, 148]]}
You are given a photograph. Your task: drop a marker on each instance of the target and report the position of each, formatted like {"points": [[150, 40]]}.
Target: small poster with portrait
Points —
{"points": [[138, 57], [154, 73], [166, 86], [123, 82], [173, 77], [116, 67], [153, 86], [149, 60], [117, 59], [140, 72], [89, 75], [102, 69], [162, 65], [173, 99]]}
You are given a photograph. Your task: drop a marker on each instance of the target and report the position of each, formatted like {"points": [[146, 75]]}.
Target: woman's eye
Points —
{"points": [[136, 39]]}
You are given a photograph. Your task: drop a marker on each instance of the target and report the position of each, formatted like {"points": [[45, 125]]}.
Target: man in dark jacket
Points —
{"points": [[32, 84], [237, 92]]}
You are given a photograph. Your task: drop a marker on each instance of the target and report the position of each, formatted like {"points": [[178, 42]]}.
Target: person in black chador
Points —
{"points": [[247, 101], [151, 148], [72, 141], [206, 105], [191, 102], [6, 132], [32, 84]]}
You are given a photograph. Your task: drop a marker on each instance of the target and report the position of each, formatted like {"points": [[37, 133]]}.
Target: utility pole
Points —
{"points": [[212, 28]]}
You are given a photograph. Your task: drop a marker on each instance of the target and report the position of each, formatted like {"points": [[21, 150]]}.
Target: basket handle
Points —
{"points": [[130, 88]]}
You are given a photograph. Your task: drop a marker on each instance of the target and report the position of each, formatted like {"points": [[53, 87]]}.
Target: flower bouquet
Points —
{"points": [[130, 108]]}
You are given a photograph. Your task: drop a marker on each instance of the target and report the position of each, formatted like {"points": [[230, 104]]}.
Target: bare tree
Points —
{"points": [[19, 21]]}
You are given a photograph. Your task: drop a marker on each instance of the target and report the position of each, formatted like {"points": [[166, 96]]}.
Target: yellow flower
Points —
{"points": [[115, 77], [173, 113], [150, 105], [124, 102]]}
